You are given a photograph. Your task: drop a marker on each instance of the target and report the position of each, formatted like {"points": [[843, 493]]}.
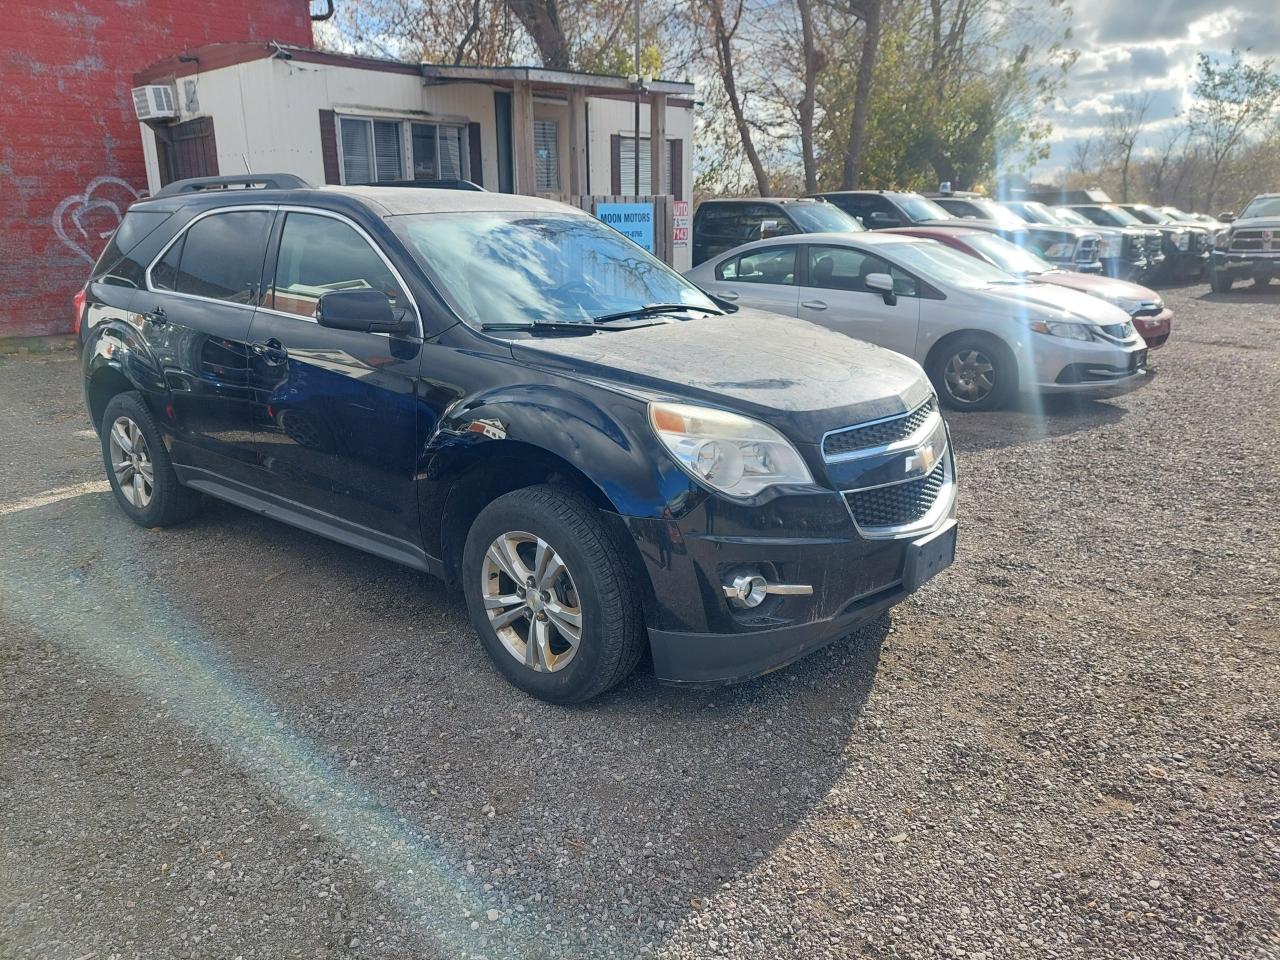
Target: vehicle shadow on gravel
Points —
{"points": [[1033, 418], [1245, 294], [365, 684]]}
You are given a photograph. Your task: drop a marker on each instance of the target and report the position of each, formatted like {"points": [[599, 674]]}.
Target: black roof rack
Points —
{"points": [[266, 181], [446, 184]]}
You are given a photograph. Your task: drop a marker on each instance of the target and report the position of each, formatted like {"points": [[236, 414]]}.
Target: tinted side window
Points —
{"points": [[770, 265], [164, 275], [319, 254], [843, 268], [115, 266], [222, 256]]}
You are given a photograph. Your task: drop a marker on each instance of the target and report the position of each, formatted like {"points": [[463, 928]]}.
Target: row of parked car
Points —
{"points": [[988, 303]]}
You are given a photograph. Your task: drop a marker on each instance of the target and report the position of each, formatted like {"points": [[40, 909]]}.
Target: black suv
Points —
{"points": [[721, 225], [509, 394]]}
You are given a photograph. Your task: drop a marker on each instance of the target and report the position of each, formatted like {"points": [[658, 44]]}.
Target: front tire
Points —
{"points": [[1219, 281], [551, 596], [973, 372], [139, 468]]}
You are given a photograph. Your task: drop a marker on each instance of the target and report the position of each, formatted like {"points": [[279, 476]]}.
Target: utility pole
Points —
{"points": [[639, 88]]}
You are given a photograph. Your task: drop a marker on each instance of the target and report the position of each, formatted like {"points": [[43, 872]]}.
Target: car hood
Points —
{"points": [[1099, 286], [1255, 223], [1059, 302], [802, 378]]}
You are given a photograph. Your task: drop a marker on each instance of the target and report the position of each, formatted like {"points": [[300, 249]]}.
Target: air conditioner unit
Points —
{"points": [[155, 101]]}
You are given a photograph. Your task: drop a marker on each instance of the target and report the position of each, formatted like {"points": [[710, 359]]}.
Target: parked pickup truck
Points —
{"points": [[720, 225], [1249, 247], [509, 394]]}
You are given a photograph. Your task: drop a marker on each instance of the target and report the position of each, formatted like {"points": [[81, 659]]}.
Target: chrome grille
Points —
{"points": [[877, 434], [1247, 240], [1087, 249], [898, 504]]}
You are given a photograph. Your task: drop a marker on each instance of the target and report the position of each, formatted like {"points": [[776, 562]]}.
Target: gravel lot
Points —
{"points": [[234, 739]]}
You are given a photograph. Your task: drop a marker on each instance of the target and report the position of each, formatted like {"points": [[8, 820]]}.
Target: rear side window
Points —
{"points": [[221, 257], [319, 254], [116, 266]]}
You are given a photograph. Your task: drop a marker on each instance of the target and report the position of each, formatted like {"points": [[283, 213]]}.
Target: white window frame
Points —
{"points": [[406, 143]]}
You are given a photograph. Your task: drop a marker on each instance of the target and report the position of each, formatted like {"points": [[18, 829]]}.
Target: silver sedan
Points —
{"points": [[980, 333]]}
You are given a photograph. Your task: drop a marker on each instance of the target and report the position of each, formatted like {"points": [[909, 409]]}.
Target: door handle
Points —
{"points": [[157, 316], [727, 295], [815, 304], [272, 352]]}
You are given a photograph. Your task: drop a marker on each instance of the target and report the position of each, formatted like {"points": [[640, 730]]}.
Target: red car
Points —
{"points": [[1151, 317]]}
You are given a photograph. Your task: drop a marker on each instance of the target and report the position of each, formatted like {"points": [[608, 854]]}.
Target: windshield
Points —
{"points": [[504, 268], [1007, 256], [1035, 212], [1149, 214], [1001, 215], [934, 262], [1261, 207], [1110, 216], [922, 208], [822, 218], [1067, 215]]}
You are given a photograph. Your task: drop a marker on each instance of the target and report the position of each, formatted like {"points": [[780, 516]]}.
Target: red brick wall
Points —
{"points": [[70, 151]]}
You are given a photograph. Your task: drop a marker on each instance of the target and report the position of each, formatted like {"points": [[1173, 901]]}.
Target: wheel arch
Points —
{"points": [[944, 342]]}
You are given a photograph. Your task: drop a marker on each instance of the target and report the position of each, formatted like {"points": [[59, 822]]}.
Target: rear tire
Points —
{"points": [[1219, 282], [973, 371], [1262, 281], [138, 466], [539, 565]]}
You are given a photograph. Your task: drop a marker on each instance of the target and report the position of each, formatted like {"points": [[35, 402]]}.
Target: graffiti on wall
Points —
{"points": [[84, 221]]}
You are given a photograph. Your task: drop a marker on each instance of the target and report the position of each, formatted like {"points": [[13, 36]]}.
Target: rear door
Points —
{"points": [[835, 296], [335, 410], [196, 311], [764, 278]]}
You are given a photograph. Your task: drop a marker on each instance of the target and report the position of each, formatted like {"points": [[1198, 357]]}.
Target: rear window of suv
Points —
{"points": [[115, 266]]}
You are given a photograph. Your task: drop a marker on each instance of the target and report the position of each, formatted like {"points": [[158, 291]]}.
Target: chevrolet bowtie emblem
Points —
{"points": [[921, 460]]}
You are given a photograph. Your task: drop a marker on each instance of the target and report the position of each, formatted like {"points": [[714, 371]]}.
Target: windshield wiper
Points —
{"points": [[649, 309], [544, 326]]}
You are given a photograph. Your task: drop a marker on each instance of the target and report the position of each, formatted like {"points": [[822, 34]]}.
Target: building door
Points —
{"points": [[502, 114], [186, 149]]}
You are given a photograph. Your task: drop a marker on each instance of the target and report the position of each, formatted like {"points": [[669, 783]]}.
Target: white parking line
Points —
{"points": [[54, 496]]}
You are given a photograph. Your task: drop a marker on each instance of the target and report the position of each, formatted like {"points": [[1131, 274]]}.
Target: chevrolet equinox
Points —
{"points": [[507, 393]]}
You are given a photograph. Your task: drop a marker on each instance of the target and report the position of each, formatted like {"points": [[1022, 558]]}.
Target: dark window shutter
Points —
{"points": [[615, 165], [473, 148], [329, 146], [677, 168]]}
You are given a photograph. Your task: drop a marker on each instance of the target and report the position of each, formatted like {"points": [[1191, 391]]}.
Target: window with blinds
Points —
{"points": [[372, 151], [546, 155], [627, 165]]}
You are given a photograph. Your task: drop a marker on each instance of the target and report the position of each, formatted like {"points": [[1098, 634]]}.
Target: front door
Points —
{"points": [[335, 409], [835, 295], [197, 310]]}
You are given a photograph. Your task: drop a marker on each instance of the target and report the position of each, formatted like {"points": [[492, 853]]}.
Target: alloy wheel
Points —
{"points": [[131, 462], [531, 601], [969, 376]]}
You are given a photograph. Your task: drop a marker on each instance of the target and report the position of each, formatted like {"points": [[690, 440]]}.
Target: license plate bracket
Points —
{"points": [[929, 556], [1137, 361]]}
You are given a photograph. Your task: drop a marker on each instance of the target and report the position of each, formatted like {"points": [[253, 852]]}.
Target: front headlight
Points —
{"points": [[1222, 240], [1060, 251], [1066, 331], [728, 452], [1184, 241]]}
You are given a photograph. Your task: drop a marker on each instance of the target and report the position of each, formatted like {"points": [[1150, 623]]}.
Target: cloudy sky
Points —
{"points": [[1134, 46]]}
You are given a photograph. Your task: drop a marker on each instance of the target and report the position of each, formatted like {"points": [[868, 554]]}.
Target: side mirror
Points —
{"points": [[770, 228], [1226, 217], [882, 283], [367, 311]]}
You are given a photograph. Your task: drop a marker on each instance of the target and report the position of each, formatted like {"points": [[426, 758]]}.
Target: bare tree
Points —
{"points": [[1124, 128], [541, 20], [813, 61], [724, 29], [870, 12], [1081, 164], [1232, 100]]}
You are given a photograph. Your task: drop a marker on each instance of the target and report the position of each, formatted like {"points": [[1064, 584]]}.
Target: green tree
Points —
{"points": [[1232, 100]]}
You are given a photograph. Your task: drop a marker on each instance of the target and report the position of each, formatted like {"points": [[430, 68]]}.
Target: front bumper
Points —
{"points": [[689, 657], [1247, 264], [1093, 368], [1155, 330]]}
